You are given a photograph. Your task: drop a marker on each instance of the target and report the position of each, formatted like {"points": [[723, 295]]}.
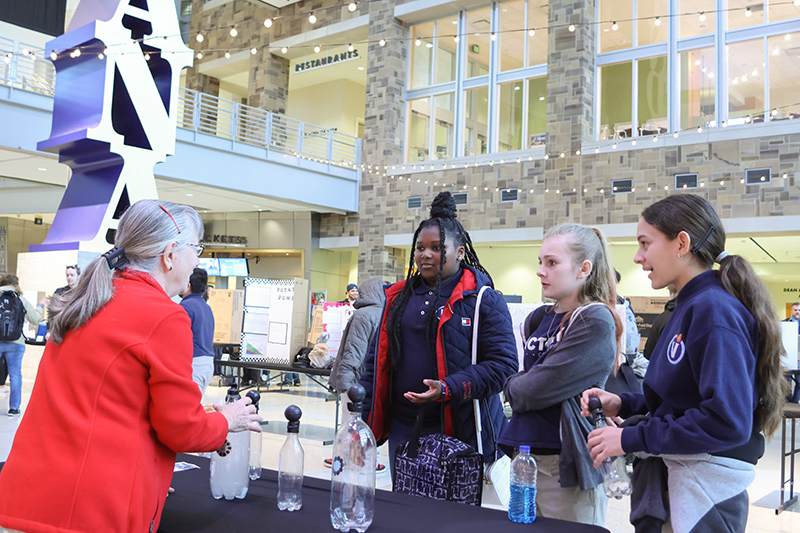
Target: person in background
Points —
{"points": [[73, 273], [794, 379], [570, 347], [632, 336], [422, 351], [349, 363], [202, 320], [660, 322], [114, 401], [13, 350], [352, 294], [714, 384]]}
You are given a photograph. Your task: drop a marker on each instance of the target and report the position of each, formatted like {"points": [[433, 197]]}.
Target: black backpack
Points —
{"points": [[12, 316]]}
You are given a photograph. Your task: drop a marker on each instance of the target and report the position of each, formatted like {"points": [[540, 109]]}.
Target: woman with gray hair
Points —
{"points": [[114, 399]]}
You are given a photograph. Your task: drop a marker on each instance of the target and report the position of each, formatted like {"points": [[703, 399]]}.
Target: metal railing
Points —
{"points": [[25, 67]]}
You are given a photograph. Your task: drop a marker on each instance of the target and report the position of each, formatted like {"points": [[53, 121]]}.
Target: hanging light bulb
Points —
{"points": [[456, 39], [199, 55], [147, 57], [350, 47], [633, 142], [77, 52], [675, 135], [254, 51], [702, 16], [351, 7], [382, 42], [493, 36], [234, 31], [571, 27], [284, 50], [531, 32], [748, 12], [227, 55], [614, 146], [418, 42], [774, 111], [699, 129], [53, 55], [200, 37], [268, 23], [312, 18], [597, 149], [577, 152], [657, 22], [614, 26], [101, 56], [316, 49]]}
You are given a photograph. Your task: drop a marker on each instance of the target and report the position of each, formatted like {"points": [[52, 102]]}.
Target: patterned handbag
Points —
{"points": [[440, 467]]}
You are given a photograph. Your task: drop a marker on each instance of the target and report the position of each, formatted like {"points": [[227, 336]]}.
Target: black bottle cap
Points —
{"points": [[233, 394], [595, 403], [356, 394], [255, 397], [293, 414]]}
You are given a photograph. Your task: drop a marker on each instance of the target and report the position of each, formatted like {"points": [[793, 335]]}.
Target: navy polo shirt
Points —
{"points": [[202, 324], [419, 350]]}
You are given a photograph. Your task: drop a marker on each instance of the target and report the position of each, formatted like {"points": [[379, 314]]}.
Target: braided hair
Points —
{"points": [[442, 215]]}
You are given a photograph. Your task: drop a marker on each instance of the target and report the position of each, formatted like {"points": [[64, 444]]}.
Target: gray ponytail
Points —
{"points": [[145, 229]]}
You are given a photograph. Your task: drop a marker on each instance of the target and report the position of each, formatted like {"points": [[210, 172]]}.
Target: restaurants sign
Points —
{"points": [[326, 61]]}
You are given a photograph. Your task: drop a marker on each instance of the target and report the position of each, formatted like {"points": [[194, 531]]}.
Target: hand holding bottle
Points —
{"points": [[241, 415], [611, 402]]}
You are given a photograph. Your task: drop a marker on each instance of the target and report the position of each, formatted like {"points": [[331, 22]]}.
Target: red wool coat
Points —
{"points": [[110, 408]]}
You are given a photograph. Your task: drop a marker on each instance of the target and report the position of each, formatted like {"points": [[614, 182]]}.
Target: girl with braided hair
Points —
{"points": [[422, 351]]}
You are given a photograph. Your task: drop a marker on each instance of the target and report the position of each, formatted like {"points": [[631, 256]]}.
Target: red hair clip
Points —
{"points": [[170, 216]]}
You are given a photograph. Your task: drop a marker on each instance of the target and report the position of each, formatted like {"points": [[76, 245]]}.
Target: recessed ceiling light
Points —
{"points": [[189, 194], [42, 169], [360, 68]]}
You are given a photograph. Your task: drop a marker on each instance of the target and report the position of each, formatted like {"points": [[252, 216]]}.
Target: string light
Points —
{"points": [[234, 31], [351, 7], [200, 37], [531, 32], [456, 38], [748, 12], [227, 55], [571, 27], [268, 23], [199, 55], [614, 26], [350, 47], [312, 18], [702, 16], [418, 42], [493, 36], [53, 56], [254, 51], [382, 42], [284, 49], [657, 22], [147, 57], [316, 49]]}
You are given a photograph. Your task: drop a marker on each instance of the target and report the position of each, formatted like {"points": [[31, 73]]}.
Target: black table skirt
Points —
{"points": [[192, 509]]}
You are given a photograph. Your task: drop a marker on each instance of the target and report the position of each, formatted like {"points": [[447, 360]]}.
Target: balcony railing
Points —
{"points": [[24, 67]]}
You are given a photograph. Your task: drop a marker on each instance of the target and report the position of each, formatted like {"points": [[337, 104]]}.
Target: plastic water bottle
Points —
{"points": [[290, 464], [522, 505], [615, 476], [230, 464], [255, 442], [353, 470]]}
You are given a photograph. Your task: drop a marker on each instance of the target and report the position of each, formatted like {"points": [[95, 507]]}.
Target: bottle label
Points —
{"points": [[225, 450], [337, 465]]}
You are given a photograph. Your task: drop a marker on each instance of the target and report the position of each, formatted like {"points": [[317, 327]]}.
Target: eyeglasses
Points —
{"points": [[198, 248]]}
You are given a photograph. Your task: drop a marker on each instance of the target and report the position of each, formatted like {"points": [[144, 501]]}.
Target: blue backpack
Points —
{"points": [[12, 316]]}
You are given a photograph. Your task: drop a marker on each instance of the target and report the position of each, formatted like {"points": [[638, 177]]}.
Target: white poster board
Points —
{"points": [[268, 306], [335, 317], [790, 344]]}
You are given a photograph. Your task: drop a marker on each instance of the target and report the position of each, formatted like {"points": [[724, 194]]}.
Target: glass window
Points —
{"points": [[512, 34], [651, 99], [618, 33], [478, 39], [421, 54], [537, 24], [510, 116], [649, 29], [739, 16], [444, 107], [697, 79], [537, 111], [476, 127], [616, 86], [746, 81], [446, 49], [693, 23], [784, 64], [782, 10], [420, 113]]}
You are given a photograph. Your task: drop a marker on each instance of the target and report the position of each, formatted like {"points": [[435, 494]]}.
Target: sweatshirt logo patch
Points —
{"points": [[676, 349], [465, 321]]}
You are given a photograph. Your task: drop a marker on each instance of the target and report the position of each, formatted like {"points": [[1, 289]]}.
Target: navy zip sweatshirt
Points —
{"points": [[701, 388]]}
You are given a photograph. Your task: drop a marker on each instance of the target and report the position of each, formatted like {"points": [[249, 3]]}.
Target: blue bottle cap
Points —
{"points": [[525, 448]]}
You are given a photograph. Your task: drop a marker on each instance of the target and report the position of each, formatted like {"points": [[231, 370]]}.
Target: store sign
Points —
{"points": [[224, 239], [327, 61]]}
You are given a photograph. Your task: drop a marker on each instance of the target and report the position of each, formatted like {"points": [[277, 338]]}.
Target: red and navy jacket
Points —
{"points": [[497, 360]]}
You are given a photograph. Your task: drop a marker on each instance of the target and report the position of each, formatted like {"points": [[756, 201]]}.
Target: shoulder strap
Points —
{"points": [[533, 320], [475, 403]]}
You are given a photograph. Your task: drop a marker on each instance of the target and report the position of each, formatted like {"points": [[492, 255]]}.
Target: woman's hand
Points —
{"points": [[605, 442], [241, 415], [611, 402], [433, 393]]}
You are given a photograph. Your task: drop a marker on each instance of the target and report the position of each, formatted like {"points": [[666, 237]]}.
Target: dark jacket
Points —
{"points": [[357, 334], [497, 360]]}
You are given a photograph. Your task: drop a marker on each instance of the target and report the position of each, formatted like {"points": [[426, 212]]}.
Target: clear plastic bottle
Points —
{"points": [[615, 475], [230, 464], [353, 470], [255, 442], [522, 505], [290, 464]]}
